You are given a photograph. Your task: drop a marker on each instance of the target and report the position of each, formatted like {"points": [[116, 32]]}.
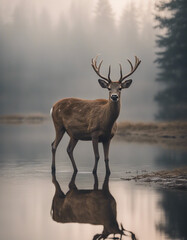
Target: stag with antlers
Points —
{"points": [[90, 120]]}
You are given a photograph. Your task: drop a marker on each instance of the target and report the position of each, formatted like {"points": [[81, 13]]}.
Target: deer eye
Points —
{"points": [[109, 88], [120, 88]]}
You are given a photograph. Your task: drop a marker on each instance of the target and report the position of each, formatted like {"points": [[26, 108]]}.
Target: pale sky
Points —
{"points": [[57, 7]]}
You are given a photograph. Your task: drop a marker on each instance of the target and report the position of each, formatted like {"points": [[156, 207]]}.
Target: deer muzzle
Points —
{"points": [[114, 97]]}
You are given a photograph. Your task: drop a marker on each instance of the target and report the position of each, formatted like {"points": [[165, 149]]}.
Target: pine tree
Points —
{"points": [[172, 60], [128, 30], [104, 28], [104, 15]]}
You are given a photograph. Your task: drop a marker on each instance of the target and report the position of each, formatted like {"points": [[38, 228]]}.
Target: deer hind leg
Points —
{"points": [[59, 134], [70, 148], [106, 152], [96, 152]]}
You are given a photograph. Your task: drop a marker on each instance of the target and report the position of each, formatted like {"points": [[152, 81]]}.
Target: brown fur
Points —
{"points": [[82, 119], [90, 119], [99, 207], [85, 120]]}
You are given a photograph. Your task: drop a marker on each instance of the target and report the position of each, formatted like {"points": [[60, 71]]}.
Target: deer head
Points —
{"points": [[114, 87]]}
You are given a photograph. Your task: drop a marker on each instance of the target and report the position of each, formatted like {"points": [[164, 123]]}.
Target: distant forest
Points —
{"points": [[42, 61], [172, 60]]}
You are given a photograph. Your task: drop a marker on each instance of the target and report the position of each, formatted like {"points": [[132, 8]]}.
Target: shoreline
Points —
{"points": [[171, 179], [169, 134], [35, 118]]}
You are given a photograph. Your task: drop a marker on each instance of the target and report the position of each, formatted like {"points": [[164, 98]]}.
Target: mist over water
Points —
{"points": [[45, 57]]}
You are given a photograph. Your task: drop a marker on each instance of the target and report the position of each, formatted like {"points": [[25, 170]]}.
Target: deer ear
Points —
{"points": [[103, 83], [126, 84]]}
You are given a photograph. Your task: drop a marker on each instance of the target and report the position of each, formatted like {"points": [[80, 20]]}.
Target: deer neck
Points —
{"points": [[113, 110]]}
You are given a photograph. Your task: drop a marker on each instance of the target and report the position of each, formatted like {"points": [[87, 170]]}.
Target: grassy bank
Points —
{"points": [[175, 178], [23, 119], [173, 134]]}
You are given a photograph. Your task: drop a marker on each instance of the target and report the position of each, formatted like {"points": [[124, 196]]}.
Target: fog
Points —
{"points": [[46, 52]]}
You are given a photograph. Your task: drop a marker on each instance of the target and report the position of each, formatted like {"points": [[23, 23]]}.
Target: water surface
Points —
{"points": [[27, 190]]}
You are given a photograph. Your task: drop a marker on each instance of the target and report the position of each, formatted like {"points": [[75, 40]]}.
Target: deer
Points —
{"points": [[91, 120], [92, 206]]}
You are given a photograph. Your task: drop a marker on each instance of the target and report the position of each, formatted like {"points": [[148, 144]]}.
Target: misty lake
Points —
{"points": [[28, 189]]}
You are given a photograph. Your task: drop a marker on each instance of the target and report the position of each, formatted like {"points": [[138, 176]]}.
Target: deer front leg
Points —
{"points": [[70, 148], [106, 181], [106, 145], [96, 153]]}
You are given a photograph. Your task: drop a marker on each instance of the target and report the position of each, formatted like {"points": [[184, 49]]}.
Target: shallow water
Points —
{"points": [[27, 190]]}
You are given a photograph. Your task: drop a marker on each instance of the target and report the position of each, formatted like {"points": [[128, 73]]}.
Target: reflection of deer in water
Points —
{"points": [[94, 206]]}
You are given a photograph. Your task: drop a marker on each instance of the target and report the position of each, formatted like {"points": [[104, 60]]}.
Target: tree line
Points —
{"points": [[172, 60]]}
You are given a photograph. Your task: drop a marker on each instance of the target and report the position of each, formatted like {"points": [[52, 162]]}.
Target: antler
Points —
{"points": [[123, 230], [97, 69], [133, 69]]}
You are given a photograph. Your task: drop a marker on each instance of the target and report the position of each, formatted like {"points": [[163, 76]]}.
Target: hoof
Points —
{"points": [[75, 170], [108, 172], [94, 171]]}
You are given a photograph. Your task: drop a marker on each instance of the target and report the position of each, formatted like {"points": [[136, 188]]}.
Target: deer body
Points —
{"points": [[93, 120], [84, 119]]}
